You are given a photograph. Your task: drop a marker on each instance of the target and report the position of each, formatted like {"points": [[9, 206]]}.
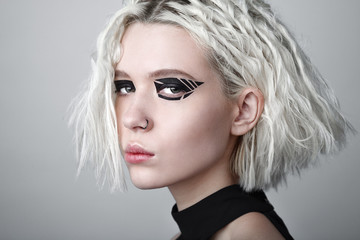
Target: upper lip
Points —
{"points": [[136, 149]]}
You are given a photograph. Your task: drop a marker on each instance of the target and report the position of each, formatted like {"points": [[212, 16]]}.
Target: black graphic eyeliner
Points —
{"points": [[120, 84], [180, 84]]}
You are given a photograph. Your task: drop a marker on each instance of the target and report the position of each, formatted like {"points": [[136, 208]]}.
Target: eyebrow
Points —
{"points": [[121, 74], [157, 74], [170, 72]]}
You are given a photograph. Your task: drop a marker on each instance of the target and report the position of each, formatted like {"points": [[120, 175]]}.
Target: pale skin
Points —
{"points": [[191, 139]]}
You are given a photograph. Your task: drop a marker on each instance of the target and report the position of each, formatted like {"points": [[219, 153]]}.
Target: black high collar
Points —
{"points": [[205, 218]]}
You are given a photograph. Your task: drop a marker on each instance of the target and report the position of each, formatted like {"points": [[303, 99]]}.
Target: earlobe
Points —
{"points": [[248, 109]]}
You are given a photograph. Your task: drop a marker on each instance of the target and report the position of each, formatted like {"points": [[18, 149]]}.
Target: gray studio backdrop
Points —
{"points": [[44, 57]]}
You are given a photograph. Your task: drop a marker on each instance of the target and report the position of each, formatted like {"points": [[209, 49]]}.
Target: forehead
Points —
{"points": [[151, 47]]}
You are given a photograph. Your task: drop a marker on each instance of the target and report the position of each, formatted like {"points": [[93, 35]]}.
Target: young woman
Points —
{"points": [[212, 99]]}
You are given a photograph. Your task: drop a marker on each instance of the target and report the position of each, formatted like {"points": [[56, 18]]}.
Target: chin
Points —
{"points": [[145, 183], [149, 178]]}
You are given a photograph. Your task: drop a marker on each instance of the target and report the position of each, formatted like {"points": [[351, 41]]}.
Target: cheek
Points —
{"points": [[197, 132], [120, 126]]}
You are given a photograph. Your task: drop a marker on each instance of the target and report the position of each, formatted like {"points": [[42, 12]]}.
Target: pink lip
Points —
{"points": [[135, 154]]}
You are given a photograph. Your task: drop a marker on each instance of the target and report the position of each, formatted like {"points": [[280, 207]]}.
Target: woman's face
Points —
{"points": [[164, 78]]}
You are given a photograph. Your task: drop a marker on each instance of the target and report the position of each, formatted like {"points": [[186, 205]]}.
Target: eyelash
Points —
{"points": [[184, 85], [172, 88], [124, 84]]}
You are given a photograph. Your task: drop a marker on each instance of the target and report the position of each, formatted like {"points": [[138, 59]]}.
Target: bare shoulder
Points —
{"points": [[249, 226]]}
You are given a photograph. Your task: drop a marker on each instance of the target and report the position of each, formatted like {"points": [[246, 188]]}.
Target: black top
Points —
{"points": [[205, 218]]}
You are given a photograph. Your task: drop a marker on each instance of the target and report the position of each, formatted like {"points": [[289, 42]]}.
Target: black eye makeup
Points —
{"points": [[175, 88], [124, 87]]}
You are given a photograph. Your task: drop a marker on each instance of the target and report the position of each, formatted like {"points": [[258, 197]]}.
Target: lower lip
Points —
{"points": [[136, 158]]}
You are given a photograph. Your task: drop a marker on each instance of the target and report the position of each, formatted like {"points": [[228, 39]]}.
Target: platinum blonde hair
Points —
{"points": [[247, 46]]}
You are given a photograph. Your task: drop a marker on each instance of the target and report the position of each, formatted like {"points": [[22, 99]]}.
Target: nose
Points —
{"points": [[136, 117]]}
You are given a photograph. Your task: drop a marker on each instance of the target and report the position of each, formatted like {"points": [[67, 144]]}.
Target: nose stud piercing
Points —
{"points": [[147, 124]]}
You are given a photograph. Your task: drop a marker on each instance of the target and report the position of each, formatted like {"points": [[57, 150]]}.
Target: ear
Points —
{"points": [[249, 106]]}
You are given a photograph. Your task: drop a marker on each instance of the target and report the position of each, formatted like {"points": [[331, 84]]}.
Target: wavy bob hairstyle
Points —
{"points": [[247, 46]]}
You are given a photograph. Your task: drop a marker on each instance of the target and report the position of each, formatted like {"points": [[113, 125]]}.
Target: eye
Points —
{"points": [[124, 87], [175, 88], [171, 90]]}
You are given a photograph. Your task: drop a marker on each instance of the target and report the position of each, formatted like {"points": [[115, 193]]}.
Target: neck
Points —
{"points": [[193, 190]]}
